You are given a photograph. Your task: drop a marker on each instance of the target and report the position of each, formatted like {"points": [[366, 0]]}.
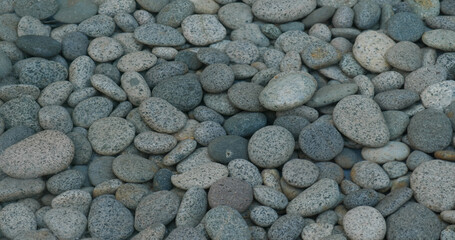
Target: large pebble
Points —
{"points": [[270, 146], [203, 29], [41, 72], [76, 199], [105, 49], [287, 227], [38, 46], [438, 95], [161, 116], [322, 195], [245, 96], [154, 143], [66, 223], [14, 189], [429, 130], [300, 173], [109, 219], [91, 109], [157, 207], [244, 124], [136, 61], [392, 151], [369, 175], [75, 11], [441, 39], [15, 219], [394, 200], [321, 141], [224, 149], [425, 76], [232, 192], [360, 119], [192, 207], [203, 176], [245, 170], [369, 50], [270, 197], [241, 11], [158, 35], [331, 94], [282, 10], [366, 14], [133, 168], [405, 26], [288, 90], [364, 222], [111, 135], [48, 152], [224, 222], [37, 9]]}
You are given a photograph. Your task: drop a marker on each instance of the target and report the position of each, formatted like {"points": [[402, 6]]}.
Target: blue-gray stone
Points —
{"points": [[244, 124]]}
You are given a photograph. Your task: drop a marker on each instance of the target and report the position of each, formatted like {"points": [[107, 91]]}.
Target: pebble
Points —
{"points": [[283, 10], [133, 168], [244, 124], [396, 99], [245, 170], [369, 175], [80, 71], [424, 9], [183, 149], [74, 199], [405, 26], [392, 151], [241, 11], [320, 141], [203, 176], [232, 192], [224, 222], [40, 9], [38, 46], [74, 45], [203, 113], [161, 116], [91, 109], [108, 187], [425, 76], [320, 54], [343, 17], [55, 153], [387, 81], [330, 170], [366, 14], [143, 60], [362, 197], [154, 6], [319, 15], [397, 122], [263, 216], [64, 181], [250, 32], [242, 51], [437, 96], [55, 118], [364, 222], [245, 96], [404, 56], [66, 223], [108, 218], [154, 143], [130, 194], [207, 131], [432, 137], [317, 230], [394, 200], [8, 25], [135, 87], [360, 119], [322, 195], [350, 66], [6, 65], [157, 207], [104, 49], [97, 26], [217, 78], [186, 233], [12, 189], [174, 13], [224, 149], [413, 220], [29, 25], [445, 60], [192, 208], [158, 35], [41, 72], [286, 227], [100, 170], [16, 218], [183, 92], [75, 11], [212, 56], [292, 123], [369, 50], [111, 135], [440, 39], [270, 197], [300, 173], [203, 29], [288, 90], [8, 92], [108, 87], [270, 146]]}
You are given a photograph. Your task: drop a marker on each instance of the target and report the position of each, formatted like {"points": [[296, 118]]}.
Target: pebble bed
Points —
{"points": [[227, 119]]}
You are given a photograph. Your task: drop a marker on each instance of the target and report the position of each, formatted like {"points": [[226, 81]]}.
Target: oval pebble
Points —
{"points": [[287, 227], [224, 222], [66, 223], [136, 61], [369, 175], [245, 96], [231, 192], [157, 207], [135, 87], [111, 135], [392, 151], [203, 176], [224, 149], [203, 29], [161, 116], [270, 197], [97, 26], [263, 216], [133, 168], [15, 219], [439, 95], [104, 49], [300, 173], [245, 170], [154, 143], [321, 141], [192, 207], [217, 78], [369, 50], [89, 110], [364, 222], [64, 181], [282, 10], [39, 46], [158, 35]]}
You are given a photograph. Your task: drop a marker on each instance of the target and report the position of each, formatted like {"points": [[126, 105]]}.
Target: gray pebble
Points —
{"points": [[189, 233], [41, 72], [125, 21], [8, 92], [75, 199], [212, 56], [97, 26], [287, 227], [363, 197], [446, 60], [319, 15], [387, 81], [300, 173], [405, 26], [244, 124], [404, 56], [91, 109], [161, 116], [235, 15], [111, 135], [192, 208], [245, 170], [16, 218], [75, 12], [343, 17], [183, 92], [100, 170], [271, 31], [40, 9], [183, 149], [242, 52], [368, 174], [158, 35], [6, 65], [394, 200], [223, 149], [105, 49], [327, 144], [203, 113], [15, 189], [8, 25], [163, 71], [220, 103], [250, 32], [350, 66], [207, 131], [396, 99], [330, 170], [133, 168], [395, 169], [217, 78], [367, 14], [282, 11], [270, 197], [154, 143], [162, 180], [55, 118], [121, 110], [80, 71], [202, 29], [292, 123], [157, 207], [21, 111], [66, 223], [189, 58], [224, 222], [245, 96], [397, 122], [64, 181], [263, 216], [55, 93]]}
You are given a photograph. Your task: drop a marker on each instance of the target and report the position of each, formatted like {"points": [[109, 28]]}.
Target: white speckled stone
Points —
{"points": [[364, 222], [203, 29], [392, 151], [369, 50], [438, 95], [203, 176], [279, 11], [368, 174]]}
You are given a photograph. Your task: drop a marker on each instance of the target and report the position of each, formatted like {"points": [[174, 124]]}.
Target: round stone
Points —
{"points": [[270, 197], [362, 197], [245, 96], [136, 61], [429, 130], [157, 207], [207, 131], [320, 54], [369, 50], [366, 14], [71, 11], [321, 141], [66, 223], [109, 219], [413, 220], [74, 44], [245, 170], [100, 170], [332, 93], [16, 218], [300, 173], [104, 49], [48, 151], [37, 9], [271, 146], [440, 39], [263, 216], [184, 92], [133, 168], [288, 90], [217, 78], [158, 35], [224, 149], [360, 119], [322, 195], [203, 176], [405, 56], [39, 46], [235, 15], [55, 118], [287, 227], [244, 124], [74, 199], [97, 26], [242, 51], [161, 116], [343, 17], [64, 181], [154, 143], [224, 222], [282, 10], [111, 135], [364, 222], [192, 207], [89, 110], [231, 192], [405, 26], [369, 175], [203, 29], [212, 56]]}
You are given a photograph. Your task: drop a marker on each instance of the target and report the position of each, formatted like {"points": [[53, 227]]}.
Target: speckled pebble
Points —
{"points": [[203, 29], [242, 52], [438, 95], [364, 222], [75, 199], [133, 168], [154, 143], [232, 192], [104, 49], [55, 118], [15, 219], [91, 109], [111, 135], [405, 56], [14, 189], [369, 50], [300, 173], [224, 222], [362, 197], [392, 151], [287, 227], [64, 181], [245, 96], [394, 200], [270, 197], [369, 175], [263, 216], [282, 10], [161, 116], [207, 131], [317, 231], [217, 78], [387, 81], [320, 141], [66, 223], [245, 170], [203, 176], [97, 26], [158, 35]]}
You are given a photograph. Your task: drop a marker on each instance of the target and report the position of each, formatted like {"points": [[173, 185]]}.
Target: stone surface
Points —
{"points": [[392, 151], [232, 192], [369, 50], [270, 197], [300, 173], [111, 135], [282, 10], [192, 207], [38, 46], [320, 141], [203, 176], [369, 175], [364, 222], [224, 222], [157, 207], [15, 219], [203, 29], [441, 39], [224, 149], [158, 35], [75, 11], [287, 227], [133, 168], [394, 200], [161, 116], [66, 223]]}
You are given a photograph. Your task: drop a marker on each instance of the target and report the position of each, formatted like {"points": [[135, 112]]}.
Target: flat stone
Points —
{"points": [[369, 175], [362, 197], [364, 222], [270, 146], [331, 94], [192, 207], [97, 26], [232, 192], [203, 176], [282, 10], [161, 116], [136, 61], [183, 149], [392, 151], [108, 87], [396, 99], [154, 143], [157, 207], [158, 35], [387, 81], [288, 90], [48, 151], [111, 135], [244, 124], [360, 119], [91, 109], [242, 51], [203, 29], [369, 50], [429, 130], [405, 56], [322, 195], [445, 155], [75, 11], [224, 222]]}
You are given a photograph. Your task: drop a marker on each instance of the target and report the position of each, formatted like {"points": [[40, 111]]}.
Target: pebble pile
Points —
{"points": [[227, 119]]}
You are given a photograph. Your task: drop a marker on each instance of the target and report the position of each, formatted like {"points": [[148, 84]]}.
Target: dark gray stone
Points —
{"points": [[162, 180], [232, 192], [292, 123], [244, 124], [362, 197], [37, 9], [405, 26], [319, 15], [217, 78], [321, 141], [74, 44], [396, 99], [227, 148], [203, 113], [21, 111], [41, 72], [394, 200], [287, 227], [163, 71], [366, 14], [189, 58]]}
